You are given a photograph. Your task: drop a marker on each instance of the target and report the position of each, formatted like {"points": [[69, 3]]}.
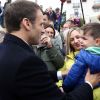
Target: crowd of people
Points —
{"points": [[39, 62]]}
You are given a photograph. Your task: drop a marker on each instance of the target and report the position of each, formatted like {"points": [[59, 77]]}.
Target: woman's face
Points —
{"points": [[50, 32], [76, 40]]}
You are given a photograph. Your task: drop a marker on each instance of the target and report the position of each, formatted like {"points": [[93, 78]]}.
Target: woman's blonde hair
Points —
{"points": [[69, 48]]}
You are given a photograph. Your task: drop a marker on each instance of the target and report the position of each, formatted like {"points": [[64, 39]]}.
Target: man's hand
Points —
{"points": [[94, 79]]}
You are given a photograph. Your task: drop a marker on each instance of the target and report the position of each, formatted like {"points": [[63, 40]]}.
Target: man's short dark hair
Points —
{"points": [[92, 29], [16, 11], [47, 14]]}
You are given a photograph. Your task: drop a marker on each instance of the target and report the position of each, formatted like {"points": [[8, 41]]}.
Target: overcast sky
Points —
{"points": [[46, 3]]}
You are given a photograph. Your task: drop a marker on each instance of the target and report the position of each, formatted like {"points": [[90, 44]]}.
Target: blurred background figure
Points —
{"points": [[48, 50], [95, 19], [58, 19], [2, 34], [1, 14]]}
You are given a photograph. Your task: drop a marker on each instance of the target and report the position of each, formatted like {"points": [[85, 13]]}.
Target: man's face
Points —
{"points": [[66, 26], [37, 28], [88, 40], [45, 20]]}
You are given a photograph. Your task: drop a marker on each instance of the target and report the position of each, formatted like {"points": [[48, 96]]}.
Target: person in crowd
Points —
{"points": [[95, 19], [72, 48], [91, 43], [69, 24], [77, 21], [98, 17], [23, 75], [58, 19], [4, 7], [48, 50], [51, 32], [46, 19], [1, 14], [2, 34], [52, 14], [73, 45], [66, 27], [57, 39]]}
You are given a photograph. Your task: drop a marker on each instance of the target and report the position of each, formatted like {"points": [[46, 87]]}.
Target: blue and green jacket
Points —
{"points": [[87, 58]]}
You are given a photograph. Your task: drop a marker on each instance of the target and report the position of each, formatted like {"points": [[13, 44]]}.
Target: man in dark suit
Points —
{"points": [[23, 76]]}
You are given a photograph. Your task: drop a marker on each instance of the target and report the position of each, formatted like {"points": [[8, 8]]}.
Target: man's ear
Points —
{"points": [[26, 23], [98, 42]]}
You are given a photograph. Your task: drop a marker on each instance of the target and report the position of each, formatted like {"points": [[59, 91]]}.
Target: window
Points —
{"points": [[83, 0], [96, 1], [76, 5], [68, 1]]}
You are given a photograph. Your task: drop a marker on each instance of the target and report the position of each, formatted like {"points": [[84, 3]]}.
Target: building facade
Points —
{"points": [[90, 8]]}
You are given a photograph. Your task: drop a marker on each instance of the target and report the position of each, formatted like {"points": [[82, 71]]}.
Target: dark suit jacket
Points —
{"points": [[23, 76]]}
